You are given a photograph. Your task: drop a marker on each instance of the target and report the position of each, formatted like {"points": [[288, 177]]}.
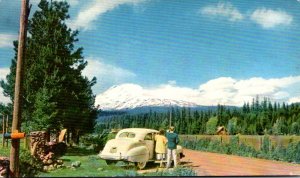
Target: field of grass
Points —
{"points": [[91, 166]]}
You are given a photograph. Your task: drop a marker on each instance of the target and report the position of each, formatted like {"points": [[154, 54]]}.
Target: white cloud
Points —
{"points": [[172, 82], [106, 74], [6, 40], [94, 10], [223, 90], [223, 9], [3, 73], [269, 18], [236, 92], [294, 100]]}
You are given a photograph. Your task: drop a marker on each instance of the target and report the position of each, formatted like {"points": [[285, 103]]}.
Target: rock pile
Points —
{"points": [[45, 151], [4, 165]]}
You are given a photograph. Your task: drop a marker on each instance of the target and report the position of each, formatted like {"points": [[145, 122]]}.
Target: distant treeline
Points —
{"points": [[258, 117]]}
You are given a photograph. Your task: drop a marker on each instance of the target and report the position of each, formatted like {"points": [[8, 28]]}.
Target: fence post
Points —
{"points": [[260, 142], [3, 130]]}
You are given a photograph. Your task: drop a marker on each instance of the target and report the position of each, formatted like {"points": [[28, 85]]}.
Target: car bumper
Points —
{"points": [[113, 157]]}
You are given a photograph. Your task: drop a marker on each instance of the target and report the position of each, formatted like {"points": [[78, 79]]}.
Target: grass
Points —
{"points": [[4, 151], [91, 166]]}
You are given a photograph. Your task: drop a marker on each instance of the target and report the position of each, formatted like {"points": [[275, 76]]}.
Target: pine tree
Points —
{"points": [[211, 125], [56, 95]]}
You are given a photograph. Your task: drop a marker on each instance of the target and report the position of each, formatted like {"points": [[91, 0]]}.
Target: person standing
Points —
{"points": [[173, 140], [160, 146]]}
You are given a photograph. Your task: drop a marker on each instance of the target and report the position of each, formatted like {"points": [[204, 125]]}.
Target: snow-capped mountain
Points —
{"points": [[130, 96]]}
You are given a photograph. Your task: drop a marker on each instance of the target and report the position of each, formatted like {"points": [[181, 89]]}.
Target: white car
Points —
{"points": [[134, 145]]}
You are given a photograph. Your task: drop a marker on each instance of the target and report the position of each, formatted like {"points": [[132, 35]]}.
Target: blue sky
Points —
{"points": [[228, 51]]}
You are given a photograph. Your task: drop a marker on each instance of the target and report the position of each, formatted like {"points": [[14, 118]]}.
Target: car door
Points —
{"points": [[149, 141]]}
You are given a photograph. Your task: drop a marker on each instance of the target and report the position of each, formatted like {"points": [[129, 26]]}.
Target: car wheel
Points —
{"points": [[110, 162], [141, 165]]}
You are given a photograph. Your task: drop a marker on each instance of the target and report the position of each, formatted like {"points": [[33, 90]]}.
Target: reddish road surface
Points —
{"points": [[214, 164]]}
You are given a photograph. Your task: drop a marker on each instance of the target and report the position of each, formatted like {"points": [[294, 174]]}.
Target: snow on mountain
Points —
{"points": [[130, 96]]}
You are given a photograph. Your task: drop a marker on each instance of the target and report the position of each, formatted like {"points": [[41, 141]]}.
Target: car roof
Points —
{"points": [[140, 132]]}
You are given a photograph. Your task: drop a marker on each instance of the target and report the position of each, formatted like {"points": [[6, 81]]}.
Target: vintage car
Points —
{"points": [[135, 145]]}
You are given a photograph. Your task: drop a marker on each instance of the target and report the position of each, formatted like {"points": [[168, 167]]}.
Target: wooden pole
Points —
{"points": [[6, 129], [170, 119], [3, 131], [16, 122]]}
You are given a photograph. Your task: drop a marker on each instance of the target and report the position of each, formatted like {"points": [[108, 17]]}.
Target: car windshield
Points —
{"points": [[127, 135]]}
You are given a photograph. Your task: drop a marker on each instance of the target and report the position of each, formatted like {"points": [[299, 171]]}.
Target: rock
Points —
{"points": [[2, 172], [49, 161], [59, 161], [51, 168], [45, 168], [76, 164]]}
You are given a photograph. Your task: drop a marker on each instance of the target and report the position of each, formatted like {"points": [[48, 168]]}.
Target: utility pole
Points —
{"points": [[16, 122], [170, 120]]}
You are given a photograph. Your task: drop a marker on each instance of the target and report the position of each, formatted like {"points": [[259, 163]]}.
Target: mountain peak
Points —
{"points": [[130, 96]]}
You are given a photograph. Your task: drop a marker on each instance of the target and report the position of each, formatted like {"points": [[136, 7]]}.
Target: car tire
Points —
{"points": [[141, 165], [110, 162]]}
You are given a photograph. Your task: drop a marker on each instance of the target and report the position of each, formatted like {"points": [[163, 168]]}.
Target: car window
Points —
{"points": [[131, 135], [148, 136], [124, 134], [127, 135]]}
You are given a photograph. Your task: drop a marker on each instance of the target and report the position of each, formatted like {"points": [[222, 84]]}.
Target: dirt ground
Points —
{"points": [[214, 164]]}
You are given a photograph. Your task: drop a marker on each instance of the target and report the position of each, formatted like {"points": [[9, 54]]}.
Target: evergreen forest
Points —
{"points": [[256, 118]]}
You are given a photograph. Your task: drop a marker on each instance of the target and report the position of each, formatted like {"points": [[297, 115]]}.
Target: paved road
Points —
{"points": [[214, 164]]}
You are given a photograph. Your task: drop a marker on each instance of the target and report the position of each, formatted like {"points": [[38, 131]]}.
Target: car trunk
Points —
{"points": [[116, 149]]}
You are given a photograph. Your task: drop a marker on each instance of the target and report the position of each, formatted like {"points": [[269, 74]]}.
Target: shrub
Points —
{"points": [[214, 146], [265, 147], [95, 141], [29, 166], [130, 173], [289, 154], [179, 171], [233, 145]]}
